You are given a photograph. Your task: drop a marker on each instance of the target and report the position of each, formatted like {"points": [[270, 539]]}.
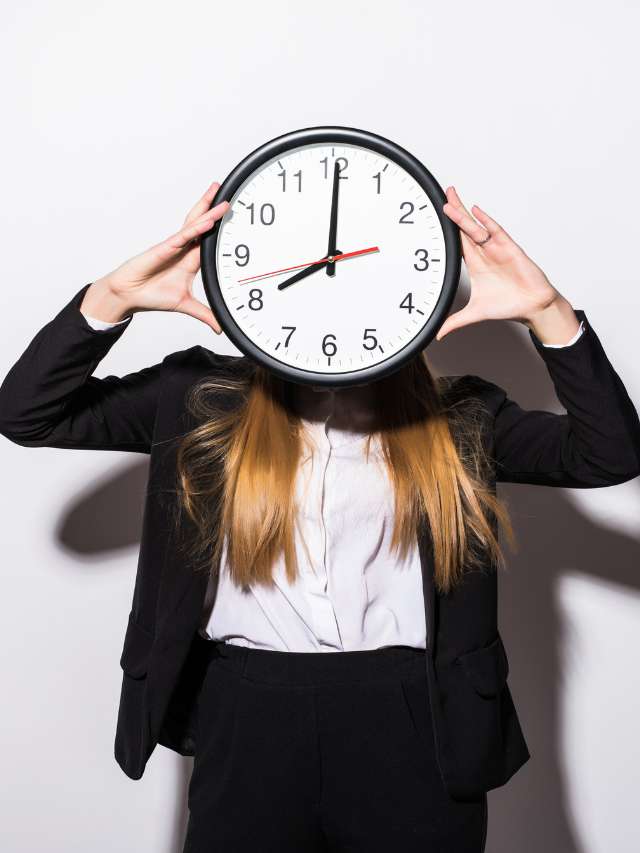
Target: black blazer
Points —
{"points": [[49, 398]]}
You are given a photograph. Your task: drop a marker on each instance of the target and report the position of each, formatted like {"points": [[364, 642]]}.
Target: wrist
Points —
{"points": [[555, 323], [104, 303]]}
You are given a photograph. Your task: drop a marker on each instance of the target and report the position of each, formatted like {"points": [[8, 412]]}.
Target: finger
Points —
{"points": [[471, 251], [176, 242], [203, 204], [454, 198], [496, 231], [465, 222], [197, 309]]}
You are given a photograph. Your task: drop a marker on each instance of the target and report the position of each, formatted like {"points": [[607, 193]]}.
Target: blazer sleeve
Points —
{"points": [[596, 443], [50, 399]]}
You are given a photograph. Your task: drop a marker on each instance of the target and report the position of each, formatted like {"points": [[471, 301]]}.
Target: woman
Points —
{"points": [[284, 523]]}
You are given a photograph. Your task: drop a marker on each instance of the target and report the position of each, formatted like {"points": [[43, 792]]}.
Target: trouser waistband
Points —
{"points": [[268, 665]]}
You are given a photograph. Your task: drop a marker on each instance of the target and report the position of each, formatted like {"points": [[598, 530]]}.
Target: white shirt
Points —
{"points": [[351, 592]]}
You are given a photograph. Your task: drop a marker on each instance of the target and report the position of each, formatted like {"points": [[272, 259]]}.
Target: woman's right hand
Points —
{"points": [[161, 278]]}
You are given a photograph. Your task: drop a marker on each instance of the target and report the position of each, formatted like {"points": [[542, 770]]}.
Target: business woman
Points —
{"points": [[314, 616]]}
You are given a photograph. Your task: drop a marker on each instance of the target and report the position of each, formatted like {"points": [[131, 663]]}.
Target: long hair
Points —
{"points": [[236, 471]]}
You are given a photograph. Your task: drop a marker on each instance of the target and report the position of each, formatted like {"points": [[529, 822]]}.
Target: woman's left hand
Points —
{"points": [[505, 283]]}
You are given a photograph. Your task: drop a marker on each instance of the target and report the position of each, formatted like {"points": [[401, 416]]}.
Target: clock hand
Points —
{"points": [[302, 274], [277, 272], [324, 262], [340, 257], [333, 222]]}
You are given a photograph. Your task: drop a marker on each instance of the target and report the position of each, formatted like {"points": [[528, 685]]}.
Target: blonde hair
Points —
{"points": [[236, 470]]}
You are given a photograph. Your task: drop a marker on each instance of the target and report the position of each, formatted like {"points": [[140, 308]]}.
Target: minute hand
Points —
{"points": [[332, 248], [323, 263]]}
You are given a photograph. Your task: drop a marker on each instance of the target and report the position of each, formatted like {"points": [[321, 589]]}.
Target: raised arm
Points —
{"points": [[49, 397], [597, 442]]}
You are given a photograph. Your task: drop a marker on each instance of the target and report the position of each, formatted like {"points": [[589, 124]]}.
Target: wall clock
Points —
{"points": [[335, 263]]}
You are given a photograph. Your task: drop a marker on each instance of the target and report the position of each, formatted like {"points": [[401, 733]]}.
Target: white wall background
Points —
{"points": [[116, 118]]}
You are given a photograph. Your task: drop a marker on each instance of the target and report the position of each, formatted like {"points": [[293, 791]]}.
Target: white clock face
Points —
{"points": [[376, 301]]}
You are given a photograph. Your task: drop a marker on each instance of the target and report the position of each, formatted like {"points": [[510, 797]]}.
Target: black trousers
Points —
{"points": [[315, 751]]}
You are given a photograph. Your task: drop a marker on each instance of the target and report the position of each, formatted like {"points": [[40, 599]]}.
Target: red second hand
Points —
{"points": [[311, 263]]}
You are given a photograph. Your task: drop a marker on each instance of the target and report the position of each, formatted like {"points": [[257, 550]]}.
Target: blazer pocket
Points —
{"points": [[479, 740], [486, 668], [136, 650]]}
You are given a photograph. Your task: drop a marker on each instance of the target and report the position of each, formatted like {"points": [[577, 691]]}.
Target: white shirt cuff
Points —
{"points": [[572, 341], [102, 324]]}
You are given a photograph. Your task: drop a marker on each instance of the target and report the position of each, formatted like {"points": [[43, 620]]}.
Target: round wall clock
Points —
{"points": [[335, 263]]}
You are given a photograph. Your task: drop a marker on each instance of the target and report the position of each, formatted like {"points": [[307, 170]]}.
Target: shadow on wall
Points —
{"points": [[110, 517], [531, 812]]}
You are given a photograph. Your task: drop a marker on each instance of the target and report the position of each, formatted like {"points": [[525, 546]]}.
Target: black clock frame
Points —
{"points": [[338, 135]]}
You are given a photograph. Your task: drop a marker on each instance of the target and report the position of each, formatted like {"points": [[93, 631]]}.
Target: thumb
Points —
{"points": [[461, 318], [194, 308]]}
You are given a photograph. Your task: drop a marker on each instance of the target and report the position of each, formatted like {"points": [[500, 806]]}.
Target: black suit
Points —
{"points": [[50, 399]]}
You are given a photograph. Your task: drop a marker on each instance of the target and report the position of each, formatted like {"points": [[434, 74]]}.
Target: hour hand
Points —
{"points": [[302, 274], [333, 223]]}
